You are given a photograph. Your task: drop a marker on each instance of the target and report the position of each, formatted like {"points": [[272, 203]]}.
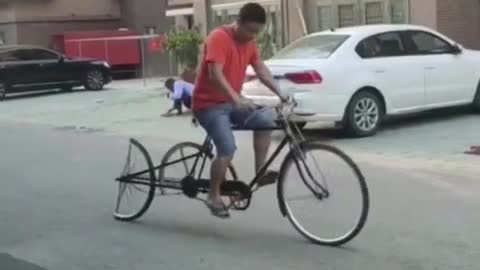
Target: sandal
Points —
{"points": [[218, 209]]}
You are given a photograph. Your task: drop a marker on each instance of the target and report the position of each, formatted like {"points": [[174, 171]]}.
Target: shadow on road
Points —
{"points": [[400, 122], [246, 235], [43, 93]]}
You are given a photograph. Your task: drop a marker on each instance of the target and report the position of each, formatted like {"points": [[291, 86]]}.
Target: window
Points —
{"points": [[318, 46], [324, 15], [346, 15], [224, 17], [426, 43], [374, 13], [274, 20], [35, 54], [8, 56], [397, 11], [150, 30], [383, 45], [2, 38]]}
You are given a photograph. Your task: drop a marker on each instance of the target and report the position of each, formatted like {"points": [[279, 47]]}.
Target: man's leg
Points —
{"points": [[218, 170], [257, 119], [261, 144], [218, 126]]}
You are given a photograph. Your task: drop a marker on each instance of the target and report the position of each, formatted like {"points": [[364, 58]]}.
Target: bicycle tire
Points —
{"points": [[286, 211], [196, 146], [151, 191]]}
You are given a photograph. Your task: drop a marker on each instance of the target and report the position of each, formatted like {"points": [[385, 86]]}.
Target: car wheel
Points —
{"points": [[476, 100], [363, 115], [95, 80], [3, 90]]}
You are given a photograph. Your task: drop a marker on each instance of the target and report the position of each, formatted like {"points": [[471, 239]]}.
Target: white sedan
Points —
{"points": [[355, 76]]}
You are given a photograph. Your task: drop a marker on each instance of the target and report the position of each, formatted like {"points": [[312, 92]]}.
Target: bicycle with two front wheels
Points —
{"points": [[303, 192]]}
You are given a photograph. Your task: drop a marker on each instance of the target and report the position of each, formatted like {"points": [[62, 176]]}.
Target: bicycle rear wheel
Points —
{"points": [[324, 194], [187, 159], [136, 187]]}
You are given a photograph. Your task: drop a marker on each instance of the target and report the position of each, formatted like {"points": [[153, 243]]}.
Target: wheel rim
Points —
{"points": [[312, 218], [366, 114], [132, 198], [95, 79]]}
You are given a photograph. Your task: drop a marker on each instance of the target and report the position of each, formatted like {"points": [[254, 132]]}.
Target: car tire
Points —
{"points": [[363, 115], [476, 100], [94, 80], [3, 90]]}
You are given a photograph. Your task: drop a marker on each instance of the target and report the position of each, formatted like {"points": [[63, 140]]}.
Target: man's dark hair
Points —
{"points": [[252, 12], [169, 83]]}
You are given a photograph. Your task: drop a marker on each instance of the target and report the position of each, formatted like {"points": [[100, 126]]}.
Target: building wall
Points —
{"points": [[35, 22], [65, 9], [8, 32], [180, 2], [423, 12], [460, 20], [41, 33], [144, 16], [7, 13]]}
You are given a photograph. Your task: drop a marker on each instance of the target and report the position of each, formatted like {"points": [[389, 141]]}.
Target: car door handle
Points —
{"points": [[429, 68], [380, 71]]}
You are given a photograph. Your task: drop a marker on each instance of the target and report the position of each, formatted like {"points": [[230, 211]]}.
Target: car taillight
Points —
{"points": [[304, 77]]}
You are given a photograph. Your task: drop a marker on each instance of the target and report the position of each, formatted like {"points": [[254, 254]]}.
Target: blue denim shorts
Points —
{"points": [[218, 121]]}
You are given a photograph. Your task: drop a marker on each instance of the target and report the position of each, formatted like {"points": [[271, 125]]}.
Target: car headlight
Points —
{"points": [[106, 64]]}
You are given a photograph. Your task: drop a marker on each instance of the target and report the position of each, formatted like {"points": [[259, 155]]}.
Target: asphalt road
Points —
{"points": [[61, 152], [58, 194]]}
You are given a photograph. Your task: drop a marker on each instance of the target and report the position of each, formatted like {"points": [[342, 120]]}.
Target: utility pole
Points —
{"points": [[203, 15], [209, 14]]}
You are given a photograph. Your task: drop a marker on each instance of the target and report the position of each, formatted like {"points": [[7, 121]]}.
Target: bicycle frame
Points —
{"points": [[291, 138], [201, 156]]}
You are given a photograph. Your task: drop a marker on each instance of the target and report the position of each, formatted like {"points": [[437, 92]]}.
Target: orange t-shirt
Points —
{"points": [[221, 48]]}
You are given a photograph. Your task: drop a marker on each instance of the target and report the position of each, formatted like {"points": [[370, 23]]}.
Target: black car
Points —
{"points": [[28, 68]]}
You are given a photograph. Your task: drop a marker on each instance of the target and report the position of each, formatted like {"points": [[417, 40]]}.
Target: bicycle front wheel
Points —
{"points": [[323, 193]]}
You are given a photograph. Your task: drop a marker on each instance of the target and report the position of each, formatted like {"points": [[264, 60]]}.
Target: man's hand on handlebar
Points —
{"points": [[243, 103]]}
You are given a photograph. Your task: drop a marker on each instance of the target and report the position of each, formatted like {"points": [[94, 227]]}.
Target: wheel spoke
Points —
{"points": [[329, 220]]}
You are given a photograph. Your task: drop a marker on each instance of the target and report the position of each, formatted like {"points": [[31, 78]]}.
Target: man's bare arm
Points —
{"points": [[264, 75]]}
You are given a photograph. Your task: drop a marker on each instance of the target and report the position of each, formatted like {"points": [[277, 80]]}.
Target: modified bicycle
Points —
{"points": [[302, 190]]}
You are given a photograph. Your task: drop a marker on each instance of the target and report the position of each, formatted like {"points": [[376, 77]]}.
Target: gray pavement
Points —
{"points": [[62, 151], [58, 193]]}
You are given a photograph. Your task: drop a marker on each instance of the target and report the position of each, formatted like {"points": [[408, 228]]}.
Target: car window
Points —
{"points": [[427, 43], [8, 56], [382, 45], [318, 46], [35, 54]]}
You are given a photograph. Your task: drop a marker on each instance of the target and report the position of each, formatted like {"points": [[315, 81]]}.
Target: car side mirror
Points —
{"points": [[456, 49]]}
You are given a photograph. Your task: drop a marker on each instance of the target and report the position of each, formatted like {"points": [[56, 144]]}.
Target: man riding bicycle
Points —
{"points": [[217, 100]]}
